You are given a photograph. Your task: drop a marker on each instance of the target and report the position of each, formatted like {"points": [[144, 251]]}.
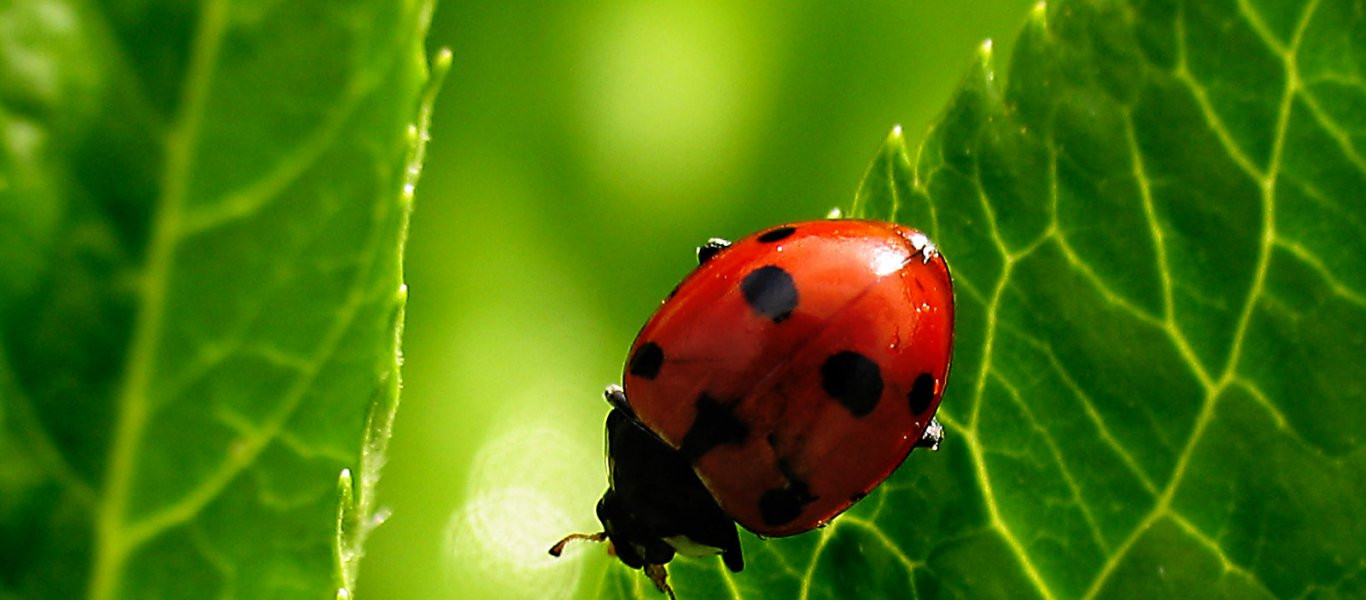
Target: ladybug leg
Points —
{"points": [[558, 548], [933, 435], [660, 576], [617, 398], [710, 249]]}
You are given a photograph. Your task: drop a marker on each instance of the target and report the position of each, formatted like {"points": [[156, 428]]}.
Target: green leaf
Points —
{"points": [[202, 212], [1157, 238]]}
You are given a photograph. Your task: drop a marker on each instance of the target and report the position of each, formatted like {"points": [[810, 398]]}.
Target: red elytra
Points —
{"points": [[832, 360]]}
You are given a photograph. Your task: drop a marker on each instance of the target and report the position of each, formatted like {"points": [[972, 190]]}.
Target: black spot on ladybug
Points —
{"points": [[769, 290], [853, 379], [780, 506], [856, 497], [921, 394], [774, 235], [647, 360], [715, 425]]}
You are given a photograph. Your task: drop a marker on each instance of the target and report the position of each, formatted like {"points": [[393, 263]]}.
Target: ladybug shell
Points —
{"points": [[797, 368]]}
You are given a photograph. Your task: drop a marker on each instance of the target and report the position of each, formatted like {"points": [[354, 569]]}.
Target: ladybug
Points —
{"points": [[782, 380]]}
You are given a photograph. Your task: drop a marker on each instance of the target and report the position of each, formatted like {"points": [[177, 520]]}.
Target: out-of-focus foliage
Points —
{"points": [[202, 209]]}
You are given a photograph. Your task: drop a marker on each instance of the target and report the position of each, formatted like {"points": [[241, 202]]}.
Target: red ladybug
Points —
{"points": [[782, 380]]}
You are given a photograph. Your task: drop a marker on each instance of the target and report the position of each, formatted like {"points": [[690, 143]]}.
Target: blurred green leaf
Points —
{"points": [[202, 211], [1157, 240]]}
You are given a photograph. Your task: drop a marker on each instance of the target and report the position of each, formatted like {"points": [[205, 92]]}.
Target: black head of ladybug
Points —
{"points": [[655, 505]]}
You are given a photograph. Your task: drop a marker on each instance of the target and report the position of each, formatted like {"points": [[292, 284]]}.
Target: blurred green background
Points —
{"points": [[579, 153]]}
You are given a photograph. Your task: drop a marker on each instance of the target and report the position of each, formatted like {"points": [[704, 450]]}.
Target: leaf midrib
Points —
{"points": [[111, 542]]}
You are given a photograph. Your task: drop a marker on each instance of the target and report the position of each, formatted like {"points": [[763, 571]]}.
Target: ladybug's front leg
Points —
{"points": [[660, 576], [933, 435], [710, 249]]}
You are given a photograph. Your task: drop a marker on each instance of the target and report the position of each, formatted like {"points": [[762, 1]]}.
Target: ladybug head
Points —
{"points": [[630, 538], [636, 550], [655, 504]]}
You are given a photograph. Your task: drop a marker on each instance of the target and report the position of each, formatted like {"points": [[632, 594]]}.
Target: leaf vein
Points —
{"points": [[250, 198], [1109, 295], [809, 577], [28, 425], [1068, 478], [1268, 187], [1093, 415], [1333, 129], [112, 545], [251, 446], [895, 549], [1339, 288], [1213, 546], [1201, 97]]}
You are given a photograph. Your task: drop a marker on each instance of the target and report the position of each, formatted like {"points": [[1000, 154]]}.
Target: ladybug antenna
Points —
{"points": [[558, 548]]}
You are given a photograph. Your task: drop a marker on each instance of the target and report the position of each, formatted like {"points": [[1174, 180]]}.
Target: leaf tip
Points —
{"points": [[895, 143], [440, 65], [346, 499], [986, 58], [343, 551], [442, 61], [985, 67], [1038, 14]]}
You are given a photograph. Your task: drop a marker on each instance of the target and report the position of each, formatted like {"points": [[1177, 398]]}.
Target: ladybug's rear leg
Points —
{"points": [[933, 435]]}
